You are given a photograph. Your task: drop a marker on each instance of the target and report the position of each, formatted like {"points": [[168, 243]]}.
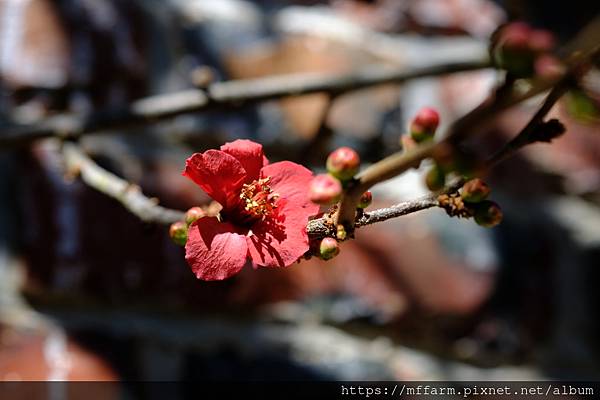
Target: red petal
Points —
{"points": [[280, 241], [214, 250], [291, 182], [249, 154], [218, 173]]}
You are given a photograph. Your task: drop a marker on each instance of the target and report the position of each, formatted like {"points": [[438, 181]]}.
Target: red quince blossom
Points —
{"points": [[264, 216]]}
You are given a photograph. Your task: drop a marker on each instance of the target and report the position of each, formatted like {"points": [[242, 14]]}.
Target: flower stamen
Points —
{"points": [[258, 198]]}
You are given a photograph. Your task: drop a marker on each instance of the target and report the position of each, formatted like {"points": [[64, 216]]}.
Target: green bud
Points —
{"points": [[194, 214], [329, 248], [365, 199], [435, 178], [341, 233], [488, 214], [475, 191], [179, 233], [582, 106]]}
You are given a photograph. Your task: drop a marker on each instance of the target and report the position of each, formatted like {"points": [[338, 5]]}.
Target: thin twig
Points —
{"points": [[397, 210], [218, 95], [128, 194], [525, 136], [321, 227], [400, 162]]}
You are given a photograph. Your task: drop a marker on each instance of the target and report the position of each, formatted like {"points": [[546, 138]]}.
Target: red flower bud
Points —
{"points": [[325, 189], [515, 36], [475, 191], [329, 248], [343, 163], [424, 124], [435, 178], [194, 214], [178, 232], [365, 199], [488, 214], [511, 49]]}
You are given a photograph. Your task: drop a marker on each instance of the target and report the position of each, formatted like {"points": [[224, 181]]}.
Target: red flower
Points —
{"points": [[264, 215]]}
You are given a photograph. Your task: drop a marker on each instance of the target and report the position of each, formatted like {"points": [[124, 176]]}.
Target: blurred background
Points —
{"points": [[88, 291]]}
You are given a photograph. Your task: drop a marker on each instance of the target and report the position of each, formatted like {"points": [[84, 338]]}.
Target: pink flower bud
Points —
{"points": [[329, 248], [488, 214], [511, 49], [475, 191], [194, 214], [343, 163], [178, 232], [365, 199], [325, 189], [515, 36], [424, 124]]}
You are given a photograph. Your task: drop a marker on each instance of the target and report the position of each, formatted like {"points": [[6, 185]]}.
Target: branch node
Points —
{"points": [[454, 205]]}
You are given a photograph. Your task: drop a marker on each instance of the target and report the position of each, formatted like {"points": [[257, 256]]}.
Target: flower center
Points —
{"points": [[258, 198]]}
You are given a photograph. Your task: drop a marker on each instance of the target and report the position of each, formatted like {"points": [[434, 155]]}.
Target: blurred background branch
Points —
{"points": [[229, 94]]}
